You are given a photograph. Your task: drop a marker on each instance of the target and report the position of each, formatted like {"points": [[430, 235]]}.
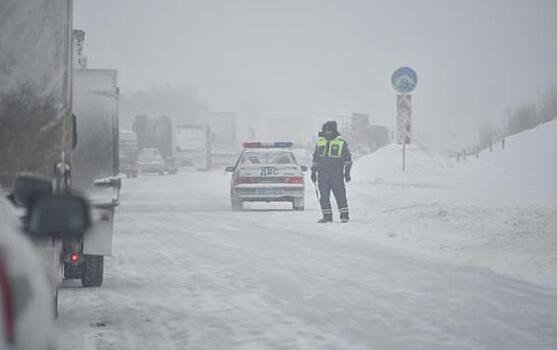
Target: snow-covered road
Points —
{"points": [[188, 273]]}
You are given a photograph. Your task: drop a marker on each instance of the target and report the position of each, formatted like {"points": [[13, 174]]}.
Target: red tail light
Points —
{"points": [[74, 258], [295, 180], [7, 303], [244, 180]]}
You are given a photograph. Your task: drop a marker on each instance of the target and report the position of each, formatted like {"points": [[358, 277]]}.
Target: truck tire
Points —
{"points": [[71, 272], [92, 271]]}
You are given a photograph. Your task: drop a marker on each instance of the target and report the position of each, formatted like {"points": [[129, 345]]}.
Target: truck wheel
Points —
{"points": [[298, 205], [92, 271], [71, 272]]}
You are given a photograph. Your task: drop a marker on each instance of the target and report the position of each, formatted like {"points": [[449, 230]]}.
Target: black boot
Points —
{"points": [[344, 217], [325, 219]]}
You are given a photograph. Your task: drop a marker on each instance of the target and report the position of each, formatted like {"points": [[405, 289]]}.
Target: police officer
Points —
{"points": [[332, 162]]}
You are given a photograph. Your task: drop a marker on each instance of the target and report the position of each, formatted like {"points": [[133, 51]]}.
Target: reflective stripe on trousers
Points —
{"points": [[333, 183]]}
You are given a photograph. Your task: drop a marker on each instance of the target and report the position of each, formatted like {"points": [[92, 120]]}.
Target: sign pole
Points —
{"points": [[404, 80], [403, 157]]}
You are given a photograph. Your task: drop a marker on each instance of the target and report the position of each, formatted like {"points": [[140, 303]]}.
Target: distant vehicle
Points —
{"points": [[150, 160], [267, 172], [222, 157], [364, 138], [224, 145], [193, 145], [128, 153], [157, 133]]}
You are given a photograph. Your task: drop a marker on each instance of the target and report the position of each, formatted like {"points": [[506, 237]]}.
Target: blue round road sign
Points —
{"points": [[404, 80]]}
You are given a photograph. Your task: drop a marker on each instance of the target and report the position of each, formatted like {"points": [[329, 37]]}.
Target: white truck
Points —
{"points": [[38, 131], [94, 170], [193, 146]]}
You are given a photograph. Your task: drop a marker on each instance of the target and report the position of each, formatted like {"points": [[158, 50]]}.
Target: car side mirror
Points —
{"points": [[28, 186], [230, 169], [58, 215], [304, 168]]}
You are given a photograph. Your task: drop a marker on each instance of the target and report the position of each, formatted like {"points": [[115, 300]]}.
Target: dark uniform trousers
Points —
{"points": [[332, 182]]}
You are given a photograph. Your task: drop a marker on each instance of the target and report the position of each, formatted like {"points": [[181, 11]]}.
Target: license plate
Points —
{"points": [[269, 172], [269, 193]]}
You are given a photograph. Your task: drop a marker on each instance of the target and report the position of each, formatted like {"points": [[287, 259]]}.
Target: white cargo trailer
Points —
{"points": [[193, 145], [95, 167], [37, 132]]}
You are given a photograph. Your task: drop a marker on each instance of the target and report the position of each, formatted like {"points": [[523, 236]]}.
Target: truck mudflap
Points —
{"points": [[98, 240]]}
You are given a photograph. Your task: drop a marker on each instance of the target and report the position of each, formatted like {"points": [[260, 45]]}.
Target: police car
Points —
{"points": [[267, 172]]}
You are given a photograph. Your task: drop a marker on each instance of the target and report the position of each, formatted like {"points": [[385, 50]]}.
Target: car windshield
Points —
{"points": [[267, 158]]}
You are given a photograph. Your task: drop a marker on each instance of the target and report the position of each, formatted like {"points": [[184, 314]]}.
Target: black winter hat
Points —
{"points": [[330, 125]]}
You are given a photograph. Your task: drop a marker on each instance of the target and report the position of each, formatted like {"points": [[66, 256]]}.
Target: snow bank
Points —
{"points": [[423, 167], [526, 167], [498, 211]]}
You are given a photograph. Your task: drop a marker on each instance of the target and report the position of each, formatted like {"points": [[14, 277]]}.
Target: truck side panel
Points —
{"points": [[95, 101], [193, 143], [35, 86], [95, 104]]}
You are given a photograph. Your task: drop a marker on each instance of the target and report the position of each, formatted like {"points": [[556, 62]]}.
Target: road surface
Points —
{"points": [[189, 273]]}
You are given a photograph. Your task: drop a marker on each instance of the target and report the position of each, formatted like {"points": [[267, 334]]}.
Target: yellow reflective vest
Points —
{"points": [[332, 149]]}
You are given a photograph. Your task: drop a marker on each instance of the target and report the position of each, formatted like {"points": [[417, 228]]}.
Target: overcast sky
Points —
{"points": [[318, 59]]}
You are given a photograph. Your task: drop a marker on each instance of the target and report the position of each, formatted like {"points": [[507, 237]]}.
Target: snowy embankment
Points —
{"points": [[497, 212]]}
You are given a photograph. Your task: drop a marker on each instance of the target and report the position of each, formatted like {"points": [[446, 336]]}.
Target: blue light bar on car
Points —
{"points": [[284, 144], [268, 144]]}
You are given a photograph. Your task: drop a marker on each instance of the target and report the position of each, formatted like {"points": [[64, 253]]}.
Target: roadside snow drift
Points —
{"points": [[526, 167], [498, 211], [423, 167]]}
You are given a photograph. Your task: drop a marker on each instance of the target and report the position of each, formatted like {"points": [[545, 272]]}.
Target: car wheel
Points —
{"points": [[298, 205], [236, 204]]}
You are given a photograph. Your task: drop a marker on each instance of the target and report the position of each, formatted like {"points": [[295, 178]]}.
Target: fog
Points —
{"points": [[315, 60]]}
